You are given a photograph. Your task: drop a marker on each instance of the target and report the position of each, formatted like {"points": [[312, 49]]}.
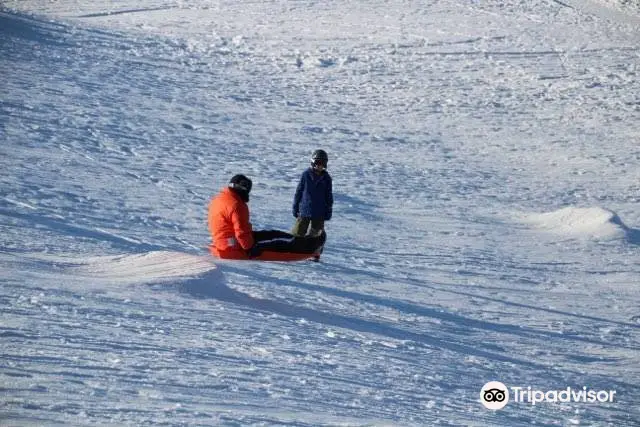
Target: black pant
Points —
{"points": [[280, 241]]}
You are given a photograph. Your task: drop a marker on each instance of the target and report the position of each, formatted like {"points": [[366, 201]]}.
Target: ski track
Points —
{"points": [[485, 166]]}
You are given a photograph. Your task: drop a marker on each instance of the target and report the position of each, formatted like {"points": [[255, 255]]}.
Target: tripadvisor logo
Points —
{"points": [[495, 395]]}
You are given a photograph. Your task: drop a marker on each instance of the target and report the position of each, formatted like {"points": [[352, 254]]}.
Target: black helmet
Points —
{"points": [[241, 185], [319, 158], [320, 155]]}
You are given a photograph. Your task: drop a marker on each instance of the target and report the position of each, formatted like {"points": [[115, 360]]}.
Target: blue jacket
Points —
{"points": [[314, 196]]}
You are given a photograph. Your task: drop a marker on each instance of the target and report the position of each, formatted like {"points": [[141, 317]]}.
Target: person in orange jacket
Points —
{"points": [[228, 220], [231, 231]]}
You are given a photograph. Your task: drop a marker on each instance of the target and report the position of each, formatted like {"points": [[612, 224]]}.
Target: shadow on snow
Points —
{"points": [[219, 290]]}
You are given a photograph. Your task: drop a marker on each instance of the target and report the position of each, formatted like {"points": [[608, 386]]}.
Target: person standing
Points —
{"points": [[313, 200]]}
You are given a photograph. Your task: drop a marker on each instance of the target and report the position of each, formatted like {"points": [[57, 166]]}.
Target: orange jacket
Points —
{"points": [[229, 225]]}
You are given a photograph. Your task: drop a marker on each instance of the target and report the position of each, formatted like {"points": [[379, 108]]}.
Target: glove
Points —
{"points": [[327, 216], [295, 213], [254, 251]]}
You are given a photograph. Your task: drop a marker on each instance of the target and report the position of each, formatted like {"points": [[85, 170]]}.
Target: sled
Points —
{"points": [[287, 247]]}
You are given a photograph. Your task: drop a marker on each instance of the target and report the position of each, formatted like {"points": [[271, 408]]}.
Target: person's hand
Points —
{"points": [[327, 216], [254, 251], [295, 213]]}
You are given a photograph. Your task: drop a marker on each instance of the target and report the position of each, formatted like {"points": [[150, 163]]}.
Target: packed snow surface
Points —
{"points": [[486, 166]]}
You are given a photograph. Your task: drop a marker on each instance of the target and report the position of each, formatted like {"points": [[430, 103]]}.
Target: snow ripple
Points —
{"points": [[148, 267]]}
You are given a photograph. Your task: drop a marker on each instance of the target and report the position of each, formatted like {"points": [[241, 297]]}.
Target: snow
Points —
{"points": [[596, 223], [485, 163]]}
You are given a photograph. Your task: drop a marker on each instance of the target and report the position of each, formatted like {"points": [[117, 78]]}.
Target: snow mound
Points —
{"points": [[595, 223], [148, 267]]}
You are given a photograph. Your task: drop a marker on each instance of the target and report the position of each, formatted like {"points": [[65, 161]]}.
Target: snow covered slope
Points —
{"points": [[486, 174]]}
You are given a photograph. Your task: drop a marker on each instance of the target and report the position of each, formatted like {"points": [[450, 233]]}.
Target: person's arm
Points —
{"points": [[297, 197], [329, 200], [241, 226]]}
